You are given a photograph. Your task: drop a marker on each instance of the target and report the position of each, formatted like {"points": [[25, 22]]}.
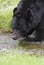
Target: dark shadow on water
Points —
{"points": [[26, 44]]}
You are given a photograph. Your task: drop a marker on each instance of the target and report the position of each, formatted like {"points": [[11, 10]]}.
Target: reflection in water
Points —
{"points": [[32, 45]]}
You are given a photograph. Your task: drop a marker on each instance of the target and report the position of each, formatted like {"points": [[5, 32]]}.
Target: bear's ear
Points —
{"points": [[14, 10], [28, 13]]}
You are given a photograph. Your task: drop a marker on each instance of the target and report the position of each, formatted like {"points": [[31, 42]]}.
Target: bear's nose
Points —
{"points": [[14, 37], [16, 34]]}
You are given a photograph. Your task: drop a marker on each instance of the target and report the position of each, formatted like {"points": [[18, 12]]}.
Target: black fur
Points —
{"points": [[29, 16]]}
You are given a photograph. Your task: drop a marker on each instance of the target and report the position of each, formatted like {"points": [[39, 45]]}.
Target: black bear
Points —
{"points": [[28, 16]]}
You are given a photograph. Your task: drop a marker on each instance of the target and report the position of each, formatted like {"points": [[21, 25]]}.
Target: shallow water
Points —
{"points": [[6, 42]]}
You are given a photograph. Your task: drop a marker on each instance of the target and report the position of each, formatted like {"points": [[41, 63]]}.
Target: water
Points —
{"points": [[6, 42]]}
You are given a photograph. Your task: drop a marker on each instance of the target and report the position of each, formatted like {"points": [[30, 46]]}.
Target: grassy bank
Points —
{"points": [[21, 59], [6, 12]]}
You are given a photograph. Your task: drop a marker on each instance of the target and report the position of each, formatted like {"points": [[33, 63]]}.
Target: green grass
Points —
{"points": [[9, 2], [21, 59], [5, 20], [6, 12]]}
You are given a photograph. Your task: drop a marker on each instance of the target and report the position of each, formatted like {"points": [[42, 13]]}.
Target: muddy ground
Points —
{"points": [[7, 43]]}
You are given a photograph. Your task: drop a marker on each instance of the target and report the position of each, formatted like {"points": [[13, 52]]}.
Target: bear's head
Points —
{"points": [[21, 23]]}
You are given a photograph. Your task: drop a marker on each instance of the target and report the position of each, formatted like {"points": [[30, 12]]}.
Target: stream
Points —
{"points": [[7, 43]]}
